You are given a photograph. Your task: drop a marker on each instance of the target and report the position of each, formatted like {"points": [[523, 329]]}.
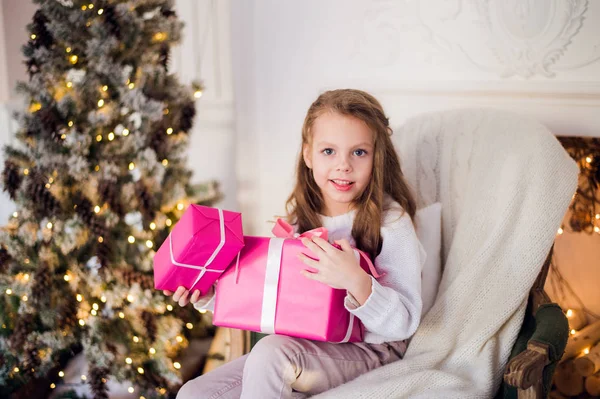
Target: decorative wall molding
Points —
{"points": [[512, 38]]}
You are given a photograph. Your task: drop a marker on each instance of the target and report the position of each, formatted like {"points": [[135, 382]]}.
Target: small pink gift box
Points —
{"points": [[264, 291], [198, 249]]}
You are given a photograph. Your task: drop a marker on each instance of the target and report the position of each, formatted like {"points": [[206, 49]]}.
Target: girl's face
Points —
{"points": [[341, 159]]}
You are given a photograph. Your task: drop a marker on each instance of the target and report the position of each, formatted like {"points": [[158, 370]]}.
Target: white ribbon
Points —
{"points": [[269, 303], [203, 269], [271, 284]]}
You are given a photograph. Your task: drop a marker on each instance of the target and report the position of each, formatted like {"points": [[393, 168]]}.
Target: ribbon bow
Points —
{"points": [[283, 229]]}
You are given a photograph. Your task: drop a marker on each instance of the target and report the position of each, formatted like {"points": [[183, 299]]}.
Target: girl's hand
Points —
{"points": [[181, 296], [337, 268]]}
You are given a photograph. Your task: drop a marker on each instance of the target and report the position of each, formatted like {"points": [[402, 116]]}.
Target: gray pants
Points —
{"points": [[283, 367]]}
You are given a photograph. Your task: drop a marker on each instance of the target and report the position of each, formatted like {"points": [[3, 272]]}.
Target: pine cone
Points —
{"points": [[51, 120], [188, 112], [4, 259], [42, 283], [164, 56], [98, 379], [42, 200], [83, 208], [146, 201], [110, 194], [67, 313], [31, 359], [167, 12], [43, 37], [22, 329], [131, 277], [110, 17], [12, 179], [104, 253], [149, 320], [157, 142]]}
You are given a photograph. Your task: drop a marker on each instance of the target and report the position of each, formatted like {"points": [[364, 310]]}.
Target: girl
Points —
{"points": [[349, 181]]}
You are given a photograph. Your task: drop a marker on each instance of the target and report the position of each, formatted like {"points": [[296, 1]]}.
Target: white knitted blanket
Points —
{"points": [[505, 183]]}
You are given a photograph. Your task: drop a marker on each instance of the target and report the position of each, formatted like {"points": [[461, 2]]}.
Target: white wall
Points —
{"points": [[203, 55], [540, 58]]}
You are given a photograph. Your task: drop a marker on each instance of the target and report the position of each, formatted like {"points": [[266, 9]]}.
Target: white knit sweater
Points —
{"points": [[393, 310]]}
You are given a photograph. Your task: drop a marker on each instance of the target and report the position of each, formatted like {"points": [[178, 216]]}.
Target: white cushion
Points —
{"points": [[428, 222]]}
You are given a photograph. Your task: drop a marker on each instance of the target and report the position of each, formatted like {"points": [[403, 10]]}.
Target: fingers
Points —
{"points": [[195, 296], [181, 296], [311, 276], [309, 261], [344, 244], [167, 292]]}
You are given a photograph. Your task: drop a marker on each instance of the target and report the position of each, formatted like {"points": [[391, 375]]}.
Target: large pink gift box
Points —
{"points": [[199, 248], [264, 291]]}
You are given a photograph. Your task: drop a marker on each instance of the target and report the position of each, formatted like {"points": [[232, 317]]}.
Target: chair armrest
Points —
{"points": [[545, 346], [527, 367]]}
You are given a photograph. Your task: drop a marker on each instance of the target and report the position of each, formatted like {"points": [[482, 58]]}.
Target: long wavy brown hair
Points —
{"points": [[306, 201]]}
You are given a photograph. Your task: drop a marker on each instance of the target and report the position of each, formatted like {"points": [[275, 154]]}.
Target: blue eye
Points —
{"points": [[360, 153], [327, 151]]}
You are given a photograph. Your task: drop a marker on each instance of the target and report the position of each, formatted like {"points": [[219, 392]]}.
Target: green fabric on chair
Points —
{"points": [[549, 326]]}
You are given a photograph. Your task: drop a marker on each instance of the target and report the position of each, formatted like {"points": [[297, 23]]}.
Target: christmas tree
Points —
{"points": [[98, 175]]}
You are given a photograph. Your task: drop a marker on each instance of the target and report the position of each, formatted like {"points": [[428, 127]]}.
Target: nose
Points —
{"points": [[344, 165]]}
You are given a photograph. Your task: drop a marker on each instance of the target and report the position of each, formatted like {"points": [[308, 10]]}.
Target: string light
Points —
{"points": [[103, 298], [67, 277], [569, 313], [100, 103], [16, 369], [70, 123], [149, 244], [35, 107], [179, 339], [131, 85], [33, 36], [140, 370], [111, 136], [125, 132], [152, 351], [63, 136], [73, 59], [131, 239], [61, 373], [68, 49], [69, 84], [8, 291], [152, 226], [25, 171], [180, 206], [128, 360], [130, 389], [202, 311], [83, 7], [131, 166], [53, 385], [135, 338], [560, 230], [97, 168], [24, 298], [15, 214], [95, 306], [96, 209], [79, 298], [177, 365], [99, 138], [90, 6], [169, 308], [121, 315], [93, 312], [586, 351], [165, 162], [81, 322], [169, 222], [159, 37], [26, 277], [100, 239], [130, 298], [189, 326], [83, 377], [100, 11], [170, 130]]}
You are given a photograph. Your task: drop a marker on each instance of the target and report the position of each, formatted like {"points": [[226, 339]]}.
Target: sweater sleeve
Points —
{"points": [[207, 302], [393, 309]]}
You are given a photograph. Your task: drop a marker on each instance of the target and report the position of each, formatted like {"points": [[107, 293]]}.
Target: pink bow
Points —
{"points": [[283, 229]]}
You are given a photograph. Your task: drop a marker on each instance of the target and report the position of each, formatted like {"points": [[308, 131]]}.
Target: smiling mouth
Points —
{"points": [[342, 185]]}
